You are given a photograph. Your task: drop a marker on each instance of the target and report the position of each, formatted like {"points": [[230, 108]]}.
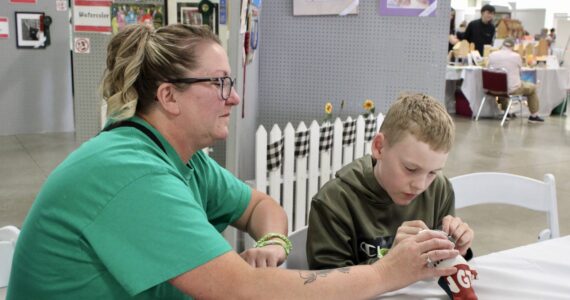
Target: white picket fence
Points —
{"points": [[308, 159]]}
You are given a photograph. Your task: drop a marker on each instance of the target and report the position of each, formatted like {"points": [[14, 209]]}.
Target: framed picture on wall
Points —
{"points": [[196, 12], [30, 30], [124, 14]]}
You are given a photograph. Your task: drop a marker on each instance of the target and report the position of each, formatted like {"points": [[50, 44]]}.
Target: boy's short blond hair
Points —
{"points": [[423, 117]]}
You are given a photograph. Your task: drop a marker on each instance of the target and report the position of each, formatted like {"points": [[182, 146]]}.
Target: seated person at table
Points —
{"points": [[137, 211], [380, 200], [512, 62]]}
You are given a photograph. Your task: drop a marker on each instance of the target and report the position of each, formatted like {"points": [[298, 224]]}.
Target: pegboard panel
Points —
{"points": [[307, 61], [88, 71]]}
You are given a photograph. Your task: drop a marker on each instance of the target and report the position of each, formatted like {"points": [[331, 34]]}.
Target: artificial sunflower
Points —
{"points": [[328, 112], [369, 107]]}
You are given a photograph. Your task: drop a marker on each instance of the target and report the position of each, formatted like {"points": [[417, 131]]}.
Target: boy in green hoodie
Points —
{"points": [[380, 199]]}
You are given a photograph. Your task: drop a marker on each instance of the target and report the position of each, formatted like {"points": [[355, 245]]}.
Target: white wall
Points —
{"points": [[35, 84]]}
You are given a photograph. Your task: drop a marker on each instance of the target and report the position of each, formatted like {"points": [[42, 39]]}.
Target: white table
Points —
{"points": [[536, 271], [551, 88]]}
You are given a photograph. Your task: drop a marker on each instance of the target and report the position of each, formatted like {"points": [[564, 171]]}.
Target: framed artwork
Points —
{"points": [[30, 30], [122, 15], [189, 12]]}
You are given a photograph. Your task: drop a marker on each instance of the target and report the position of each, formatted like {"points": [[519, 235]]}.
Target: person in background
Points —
{"points": [[552, 34], [511, 61], [460, 32], [551, 39], [137, 211], [481, 32], [381, 200], [452, 37]]}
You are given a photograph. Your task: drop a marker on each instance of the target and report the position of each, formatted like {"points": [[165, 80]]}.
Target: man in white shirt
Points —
{"points": [[512, 62]]}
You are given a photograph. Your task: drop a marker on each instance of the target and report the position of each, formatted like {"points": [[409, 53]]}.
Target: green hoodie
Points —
{"points": [[352, 215]]}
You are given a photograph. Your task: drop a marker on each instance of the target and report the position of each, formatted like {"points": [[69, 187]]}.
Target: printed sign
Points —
{"points": [[412, 8], [92, 16], [61, 5], [23, 1], [82, 45], [4, 31]]}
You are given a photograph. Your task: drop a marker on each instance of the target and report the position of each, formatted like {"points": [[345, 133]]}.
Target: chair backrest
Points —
{"points": [[298, 257], [495, 81], [505, 188], [8, 237]]}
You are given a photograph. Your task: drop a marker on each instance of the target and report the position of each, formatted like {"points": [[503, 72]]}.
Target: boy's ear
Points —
{"points": [[378, 144], [166, 96]]}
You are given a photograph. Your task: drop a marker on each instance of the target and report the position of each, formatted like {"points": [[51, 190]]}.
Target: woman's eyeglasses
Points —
{"points": [[225, 83]]}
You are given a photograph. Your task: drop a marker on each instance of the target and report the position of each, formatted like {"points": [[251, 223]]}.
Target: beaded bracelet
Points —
{"points": [[282, 241], [382, 251]]}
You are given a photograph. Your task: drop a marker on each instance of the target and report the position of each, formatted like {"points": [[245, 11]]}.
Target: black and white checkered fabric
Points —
{"points": [[274, 155], [348, 132], [369, 129], [326, 139], [301, 143]]}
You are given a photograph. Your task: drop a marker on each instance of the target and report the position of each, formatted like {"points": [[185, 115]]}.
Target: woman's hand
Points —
{"points": [[269, 256], [409, 229], [408, 261]]}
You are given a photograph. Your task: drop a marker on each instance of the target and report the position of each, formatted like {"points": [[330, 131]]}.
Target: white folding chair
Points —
{"points": [[492, 187], [298, 257], [8, 237]]}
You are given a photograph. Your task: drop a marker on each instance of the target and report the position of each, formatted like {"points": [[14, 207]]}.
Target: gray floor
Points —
{"points": [[527, 149]]}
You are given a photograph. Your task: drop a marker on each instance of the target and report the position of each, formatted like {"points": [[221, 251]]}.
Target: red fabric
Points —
{"points": [[462, 105], [459, 284]]}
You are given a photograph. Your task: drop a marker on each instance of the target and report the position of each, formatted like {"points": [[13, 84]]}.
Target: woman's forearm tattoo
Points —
{"points": [[311, 276]]}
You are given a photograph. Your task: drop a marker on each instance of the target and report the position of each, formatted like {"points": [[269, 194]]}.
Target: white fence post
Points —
{"points": [[299, 219], [302, 171], [288, 168]]}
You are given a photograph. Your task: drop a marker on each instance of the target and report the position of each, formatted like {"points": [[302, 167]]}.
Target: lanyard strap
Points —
{"points": [[138, 126]]}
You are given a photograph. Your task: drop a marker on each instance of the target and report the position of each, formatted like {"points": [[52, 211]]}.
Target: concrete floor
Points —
{"points": [[524, 149]]}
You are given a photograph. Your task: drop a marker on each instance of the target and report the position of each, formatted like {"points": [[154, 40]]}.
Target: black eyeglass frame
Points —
{"points": [[216, 80]]}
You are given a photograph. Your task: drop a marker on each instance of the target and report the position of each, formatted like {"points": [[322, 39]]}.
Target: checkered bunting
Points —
{"points": [[301, 143], [348, 132], [274, 154], [369, 129], [326, 139]]}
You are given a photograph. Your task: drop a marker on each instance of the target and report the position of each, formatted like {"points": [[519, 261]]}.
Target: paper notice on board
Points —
{"points": [[92, 16], [4, 29], [324, 7], [61, 5]]}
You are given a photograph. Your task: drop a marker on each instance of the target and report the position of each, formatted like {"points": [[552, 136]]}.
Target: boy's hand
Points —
{"points": [[460, 231], [408, 229]]}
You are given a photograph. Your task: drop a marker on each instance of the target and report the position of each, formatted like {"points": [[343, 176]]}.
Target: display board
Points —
{"points": [[310, 60]]}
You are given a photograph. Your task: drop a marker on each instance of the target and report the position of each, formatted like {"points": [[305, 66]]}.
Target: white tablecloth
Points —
{"points": [[551, 88], [536, 271]]}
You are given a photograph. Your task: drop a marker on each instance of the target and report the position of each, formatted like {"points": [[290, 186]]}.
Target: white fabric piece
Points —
{"points": [[537, 271]]}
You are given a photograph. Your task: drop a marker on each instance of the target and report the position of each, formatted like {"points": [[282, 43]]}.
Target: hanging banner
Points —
{"points": [[92, 16], [4, 31]]}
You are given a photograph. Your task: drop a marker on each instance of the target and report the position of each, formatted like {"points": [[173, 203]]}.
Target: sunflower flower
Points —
{"points": [[328, 112], [369, 107]]}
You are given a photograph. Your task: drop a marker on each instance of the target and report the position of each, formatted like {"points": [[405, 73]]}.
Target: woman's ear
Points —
{"points": [[167, 97], [378, 144]]}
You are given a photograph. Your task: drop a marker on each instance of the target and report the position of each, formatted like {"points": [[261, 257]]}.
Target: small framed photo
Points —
{"points": [[190, 12], [30, 30]]}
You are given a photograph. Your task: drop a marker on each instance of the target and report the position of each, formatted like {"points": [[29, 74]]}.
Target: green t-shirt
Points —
{"points": [[120, 217]]}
